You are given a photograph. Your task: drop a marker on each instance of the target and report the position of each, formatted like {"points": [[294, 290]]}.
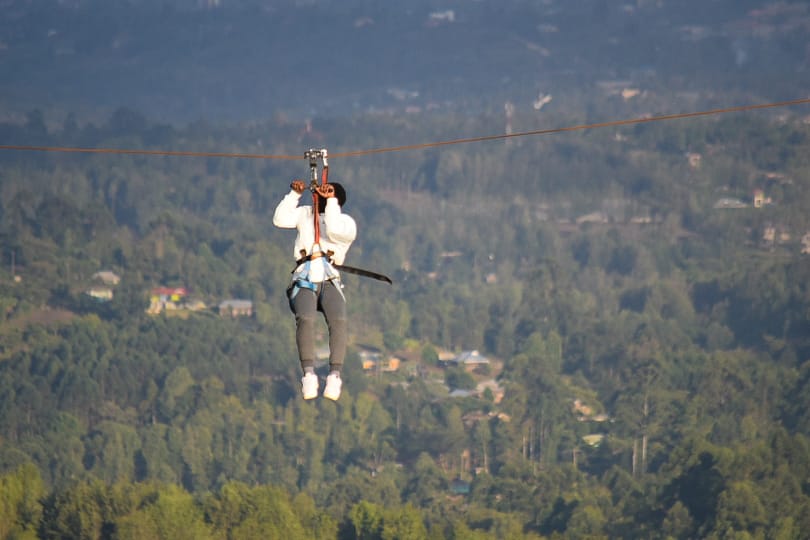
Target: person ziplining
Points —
{"points": [[324, 235]]}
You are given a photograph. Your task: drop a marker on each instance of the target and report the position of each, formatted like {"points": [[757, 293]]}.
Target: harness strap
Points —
{"points": [[343, 267], [301, 280], [364, 273]]}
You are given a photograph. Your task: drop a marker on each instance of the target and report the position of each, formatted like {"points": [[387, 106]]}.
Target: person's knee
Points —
{"points": [[305, 318], [338, 322]]}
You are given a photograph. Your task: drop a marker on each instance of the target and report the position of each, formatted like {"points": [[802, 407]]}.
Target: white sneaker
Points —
{"points": [[333, 386], [309, 386]]}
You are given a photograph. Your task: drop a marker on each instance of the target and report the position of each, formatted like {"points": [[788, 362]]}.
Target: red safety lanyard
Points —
{"points": [[313, 156]]}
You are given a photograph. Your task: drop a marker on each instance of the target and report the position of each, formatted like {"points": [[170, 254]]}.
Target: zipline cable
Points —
{"points": [[142, 152], [582, 127], [577, 128]]}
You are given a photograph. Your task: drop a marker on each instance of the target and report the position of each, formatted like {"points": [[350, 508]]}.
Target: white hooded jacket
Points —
{"points": [[338, 230]]}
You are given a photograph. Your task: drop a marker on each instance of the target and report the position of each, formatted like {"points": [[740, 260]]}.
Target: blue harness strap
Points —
{"points": [[300, 279]]}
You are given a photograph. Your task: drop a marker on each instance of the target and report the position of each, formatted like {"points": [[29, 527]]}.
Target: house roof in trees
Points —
{"points": [[471, 357]]}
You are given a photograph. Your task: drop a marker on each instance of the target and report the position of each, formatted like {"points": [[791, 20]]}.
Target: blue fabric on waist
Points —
{"points": [[306, 284]]}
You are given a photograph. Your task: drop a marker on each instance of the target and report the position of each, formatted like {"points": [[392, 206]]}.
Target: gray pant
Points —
{"points": [[328, 300]]}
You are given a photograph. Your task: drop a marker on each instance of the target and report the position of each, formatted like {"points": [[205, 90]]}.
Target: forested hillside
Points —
{"points": [[648, 325]]}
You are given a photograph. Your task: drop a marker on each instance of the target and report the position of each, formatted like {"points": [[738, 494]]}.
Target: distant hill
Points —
{"points": [[249, 60]]}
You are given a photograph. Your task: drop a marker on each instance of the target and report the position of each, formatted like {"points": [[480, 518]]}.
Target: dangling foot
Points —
{"points": [[333, 386], [309, 385]]}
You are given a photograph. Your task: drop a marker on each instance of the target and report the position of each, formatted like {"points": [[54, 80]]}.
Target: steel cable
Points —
{"points": [[435, 144]]}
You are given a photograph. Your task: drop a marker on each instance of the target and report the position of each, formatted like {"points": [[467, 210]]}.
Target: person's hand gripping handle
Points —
{"points": [[298, 186]]}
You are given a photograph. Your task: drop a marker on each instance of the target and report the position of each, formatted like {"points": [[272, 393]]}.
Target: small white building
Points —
{"points": [[806, 243], [438, 17], [470, 359], [102, 294], [236, 308], [728, 202], [107, 277]]}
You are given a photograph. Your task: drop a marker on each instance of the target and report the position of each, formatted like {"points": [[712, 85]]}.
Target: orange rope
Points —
{"points": [[643, 120]]}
